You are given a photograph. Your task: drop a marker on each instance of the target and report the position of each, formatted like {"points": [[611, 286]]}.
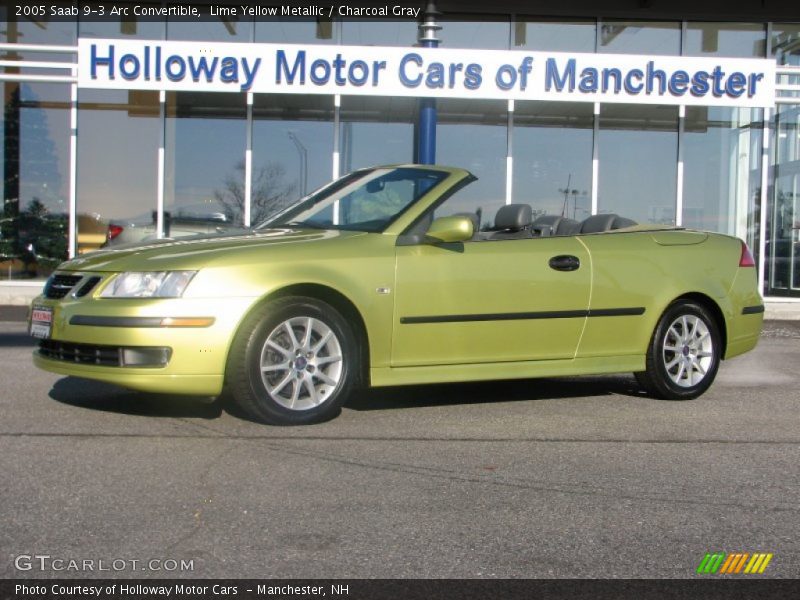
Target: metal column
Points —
{"points": [[426, 125]]}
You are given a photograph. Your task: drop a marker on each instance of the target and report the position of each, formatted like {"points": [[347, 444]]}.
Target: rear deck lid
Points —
{"points": [[679, 238]]}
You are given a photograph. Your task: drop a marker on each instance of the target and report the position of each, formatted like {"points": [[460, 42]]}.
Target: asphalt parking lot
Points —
{"points": [[582, 477]]}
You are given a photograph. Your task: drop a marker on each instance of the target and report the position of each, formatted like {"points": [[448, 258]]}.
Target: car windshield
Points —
{"points": [[367, 200]]}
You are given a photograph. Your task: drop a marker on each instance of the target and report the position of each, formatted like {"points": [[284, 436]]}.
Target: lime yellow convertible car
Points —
{"points": [[380, 278]]}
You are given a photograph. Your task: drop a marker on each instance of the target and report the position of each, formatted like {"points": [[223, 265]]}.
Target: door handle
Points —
{"points": [[565, 262]]}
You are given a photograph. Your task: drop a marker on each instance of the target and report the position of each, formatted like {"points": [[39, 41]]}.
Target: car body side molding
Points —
{"points": [[550, 314]]}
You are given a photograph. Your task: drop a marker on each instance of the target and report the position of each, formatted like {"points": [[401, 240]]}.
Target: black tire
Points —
{"points": [[680, 351], [283, 323]]}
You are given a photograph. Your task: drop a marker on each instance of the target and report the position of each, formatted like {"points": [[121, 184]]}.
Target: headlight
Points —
{"points": [[158, 284]]}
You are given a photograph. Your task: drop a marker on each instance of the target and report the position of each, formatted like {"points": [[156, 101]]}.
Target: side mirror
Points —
{"points": [[450, 229]]}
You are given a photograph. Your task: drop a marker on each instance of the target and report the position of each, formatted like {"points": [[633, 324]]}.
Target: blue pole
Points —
{"points": [[426, 126], [426, 150]]}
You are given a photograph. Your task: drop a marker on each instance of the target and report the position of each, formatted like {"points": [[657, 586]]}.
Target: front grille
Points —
{"points": [[88, 354], [106, 356], [59, 285], [87, 286]]}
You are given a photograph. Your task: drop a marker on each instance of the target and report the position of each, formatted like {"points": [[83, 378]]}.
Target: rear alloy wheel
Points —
{"points": [[292, 362], [684, 353]]}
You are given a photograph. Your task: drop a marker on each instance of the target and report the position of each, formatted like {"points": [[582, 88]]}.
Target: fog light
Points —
{"points": [[146, 357]]}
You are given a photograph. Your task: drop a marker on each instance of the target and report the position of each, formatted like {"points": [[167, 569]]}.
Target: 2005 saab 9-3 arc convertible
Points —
{"points": [[380, 278]]}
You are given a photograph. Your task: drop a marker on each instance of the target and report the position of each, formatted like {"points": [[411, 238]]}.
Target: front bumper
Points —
{"points": [[144, 380], [195, 356]]}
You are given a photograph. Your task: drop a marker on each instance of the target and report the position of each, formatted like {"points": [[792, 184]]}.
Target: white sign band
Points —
{"points": [[424, 72]]}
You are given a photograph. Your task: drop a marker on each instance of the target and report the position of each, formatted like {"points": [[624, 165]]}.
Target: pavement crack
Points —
{"points": [[200, 426], [199, 514], [492, 479]]}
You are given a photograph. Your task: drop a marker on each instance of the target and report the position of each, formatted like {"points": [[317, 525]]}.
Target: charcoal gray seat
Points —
{"points": [[555, 225], [605, 222], [598, 223], [512, 222], [547, 225], [568, 227], [622, 222]]}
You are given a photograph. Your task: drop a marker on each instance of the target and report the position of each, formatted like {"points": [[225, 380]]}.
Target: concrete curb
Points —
{"points": [[19, 293], [782, 311]]}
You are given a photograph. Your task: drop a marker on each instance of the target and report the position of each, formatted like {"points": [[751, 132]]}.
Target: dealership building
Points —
{"points": [[671, 113]]}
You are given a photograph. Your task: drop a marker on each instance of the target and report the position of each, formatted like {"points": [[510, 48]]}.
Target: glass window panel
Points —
{"points": [[292, 149], [7, 95], [554, 36], [130, 27], [552, 149], [640, 37], [722, 169], [489, 35], [376, 131], [296, 31], [783, 220], [379, 33], [33, 225], [117, 164], [36, 30], [228, 29], [725, 39], [787, 142], [786, 43], [472, 134], [638, 146], [205, 148]]}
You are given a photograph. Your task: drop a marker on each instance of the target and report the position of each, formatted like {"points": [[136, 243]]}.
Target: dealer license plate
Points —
{"points": [[41, 322]]}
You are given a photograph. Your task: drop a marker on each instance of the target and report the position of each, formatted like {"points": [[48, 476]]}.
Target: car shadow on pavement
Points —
{"points": [[105, 397], [485, 392], [96, 395]]}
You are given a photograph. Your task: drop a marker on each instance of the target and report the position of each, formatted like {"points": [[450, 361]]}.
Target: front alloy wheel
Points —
{"points": [[293, 362], [684, 353], [301, 363]]}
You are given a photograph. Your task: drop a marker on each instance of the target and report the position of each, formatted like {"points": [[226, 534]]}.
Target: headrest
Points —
{"points": [[568, 227], [513, 216], [622, 222], [598, 223]]}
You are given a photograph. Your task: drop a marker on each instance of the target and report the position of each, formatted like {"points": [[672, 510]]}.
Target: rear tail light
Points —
{"points": [[113, 231], [746, 259]]}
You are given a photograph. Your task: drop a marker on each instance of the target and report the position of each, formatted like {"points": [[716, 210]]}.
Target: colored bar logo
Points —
{"points": [[735, 563]]}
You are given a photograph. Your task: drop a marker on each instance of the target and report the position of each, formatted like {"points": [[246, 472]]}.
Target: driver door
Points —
{"points": [[488, 301]]}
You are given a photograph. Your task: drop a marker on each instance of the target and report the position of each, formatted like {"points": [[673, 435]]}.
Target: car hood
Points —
{"points": [[201, 250]]}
